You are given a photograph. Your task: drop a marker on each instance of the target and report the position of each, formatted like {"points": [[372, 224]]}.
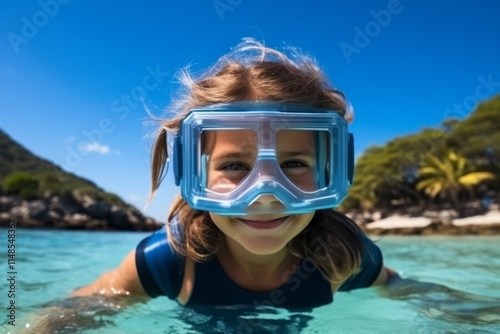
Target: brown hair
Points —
{"points": [[254, 72]]}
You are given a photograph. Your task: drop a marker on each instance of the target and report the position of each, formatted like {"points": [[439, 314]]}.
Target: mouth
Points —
{"points": [[263, 224]]}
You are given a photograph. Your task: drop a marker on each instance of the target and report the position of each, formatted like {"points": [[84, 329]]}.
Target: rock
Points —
{"points": [[37, 210], [367, 216], [132, 218], [81, 212], [118, 217], [76, 220], [147, 224], [20, 210], [96, 209], [96, 224], [64, 205], [431, 214], [7, 202], [54, 215], [81, 198], [447, 215], [4, 219], [31, 223]]}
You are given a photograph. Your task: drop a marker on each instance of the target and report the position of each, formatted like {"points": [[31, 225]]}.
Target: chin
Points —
{"points": [[262, 234], [264, 245]]}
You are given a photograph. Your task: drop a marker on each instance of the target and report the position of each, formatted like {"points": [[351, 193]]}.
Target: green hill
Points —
{"points": [[39, 194], [15, 158]]}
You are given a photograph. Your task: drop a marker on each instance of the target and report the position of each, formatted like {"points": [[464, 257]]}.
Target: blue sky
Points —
{"points": [[71, 72]]}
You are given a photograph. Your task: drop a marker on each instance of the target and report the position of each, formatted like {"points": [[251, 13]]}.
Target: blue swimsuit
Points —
{"points": [[161, 272]]}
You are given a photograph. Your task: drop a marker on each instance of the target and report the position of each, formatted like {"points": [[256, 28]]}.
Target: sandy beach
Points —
{"points": [[492, 217], [397, 221]]}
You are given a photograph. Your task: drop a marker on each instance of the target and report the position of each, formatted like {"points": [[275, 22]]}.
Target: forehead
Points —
{"points": [[248, 139]]}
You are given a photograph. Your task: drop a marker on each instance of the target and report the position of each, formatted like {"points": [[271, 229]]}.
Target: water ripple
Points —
{"points": [[445, 304]]}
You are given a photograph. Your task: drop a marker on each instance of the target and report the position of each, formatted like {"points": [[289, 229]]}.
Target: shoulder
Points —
{"points": [[371, 266], [160, 268]]}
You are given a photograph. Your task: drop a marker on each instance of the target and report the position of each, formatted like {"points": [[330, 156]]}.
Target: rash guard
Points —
{"points": [[161, 272]]}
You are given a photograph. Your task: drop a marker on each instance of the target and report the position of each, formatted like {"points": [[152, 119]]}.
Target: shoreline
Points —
{"points": [[487, 224]]}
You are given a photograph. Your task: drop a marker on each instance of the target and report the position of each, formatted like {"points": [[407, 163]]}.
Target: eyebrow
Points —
{"points": [[231, 155], [305, 152], [246, 155]]}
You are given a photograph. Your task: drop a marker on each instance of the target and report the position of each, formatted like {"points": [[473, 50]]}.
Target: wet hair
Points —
{"points": [[253, 71]]}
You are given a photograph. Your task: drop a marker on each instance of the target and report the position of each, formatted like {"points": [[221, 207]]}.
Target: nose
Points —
{"points": [[266, 203], [267, 166]]}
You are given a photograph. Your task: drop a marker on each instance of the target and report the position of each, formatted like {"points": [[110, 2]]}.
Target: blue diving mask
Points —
{"points": [[260, 157]]}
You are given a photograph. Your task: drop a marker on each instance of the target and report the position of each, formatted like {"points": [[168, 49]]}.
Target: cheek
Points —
{"points": [[305, 182], [309, 216], [221, 222], [310, 184], [304, 220]]}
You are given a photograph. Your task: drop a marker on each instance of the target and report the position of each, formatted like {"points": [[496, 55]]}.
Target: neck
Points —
{"points": [[254, 271]]}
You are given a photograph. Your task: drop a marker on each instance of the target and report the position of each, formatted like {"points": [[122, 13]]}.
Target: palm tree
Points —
{"points": [[365, 194], [447, 176]]}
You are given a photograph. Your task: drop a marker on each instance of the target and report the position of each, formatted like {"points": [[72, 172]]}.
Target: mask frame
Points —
{"points": [[264, 117]]}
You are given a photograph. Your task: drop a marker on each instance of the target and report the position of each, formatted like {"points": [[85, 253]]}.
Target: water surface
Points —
{"points": [[453, 287]]}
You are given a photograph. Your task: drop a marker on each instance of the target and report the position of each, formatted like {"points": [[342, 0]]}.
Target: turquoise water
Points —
{"points": [[458, 291]]}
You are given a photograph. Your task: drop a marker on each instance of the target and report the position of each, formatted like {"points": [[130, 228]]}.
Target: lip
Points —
{"points": [[263, 224]]}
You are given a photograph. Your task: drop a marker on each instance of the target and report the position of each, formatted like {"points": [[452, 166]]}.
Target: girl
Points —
{"points": [[262, 155]]}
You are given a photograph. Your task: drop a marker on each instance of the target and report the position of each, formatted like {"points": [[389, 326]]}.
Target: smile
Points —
{"points": [[264, 224]]}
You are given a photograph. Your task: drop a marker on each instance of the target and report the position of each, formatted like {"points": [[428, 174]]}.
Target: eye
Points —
{"points": [[234, 166], [294, 164]]}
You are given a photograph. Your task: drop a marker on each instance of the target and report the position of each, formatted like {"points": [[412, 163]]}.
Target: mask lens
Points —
{"points": [[228, 158], [302, 157]]}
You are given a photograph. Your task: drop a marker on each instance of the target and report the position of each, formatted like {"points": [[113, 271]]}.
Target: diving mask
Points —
{"points": [[227, 156]]}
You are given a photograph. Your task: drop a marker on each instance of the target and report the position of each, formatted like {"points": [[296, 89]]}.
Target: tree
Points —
{"points": [[447, 176], [22, 184]]}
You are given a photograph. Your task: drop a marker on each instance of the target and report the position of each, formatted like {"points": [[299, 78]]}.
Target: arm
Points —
{"points": [[91, 306], [373, 271], [122, 281], [386, 276]]}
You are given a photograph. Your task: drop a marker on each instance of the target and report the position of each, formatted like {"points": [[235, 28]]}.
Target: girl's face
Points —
{"points": [[232, 156]]}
